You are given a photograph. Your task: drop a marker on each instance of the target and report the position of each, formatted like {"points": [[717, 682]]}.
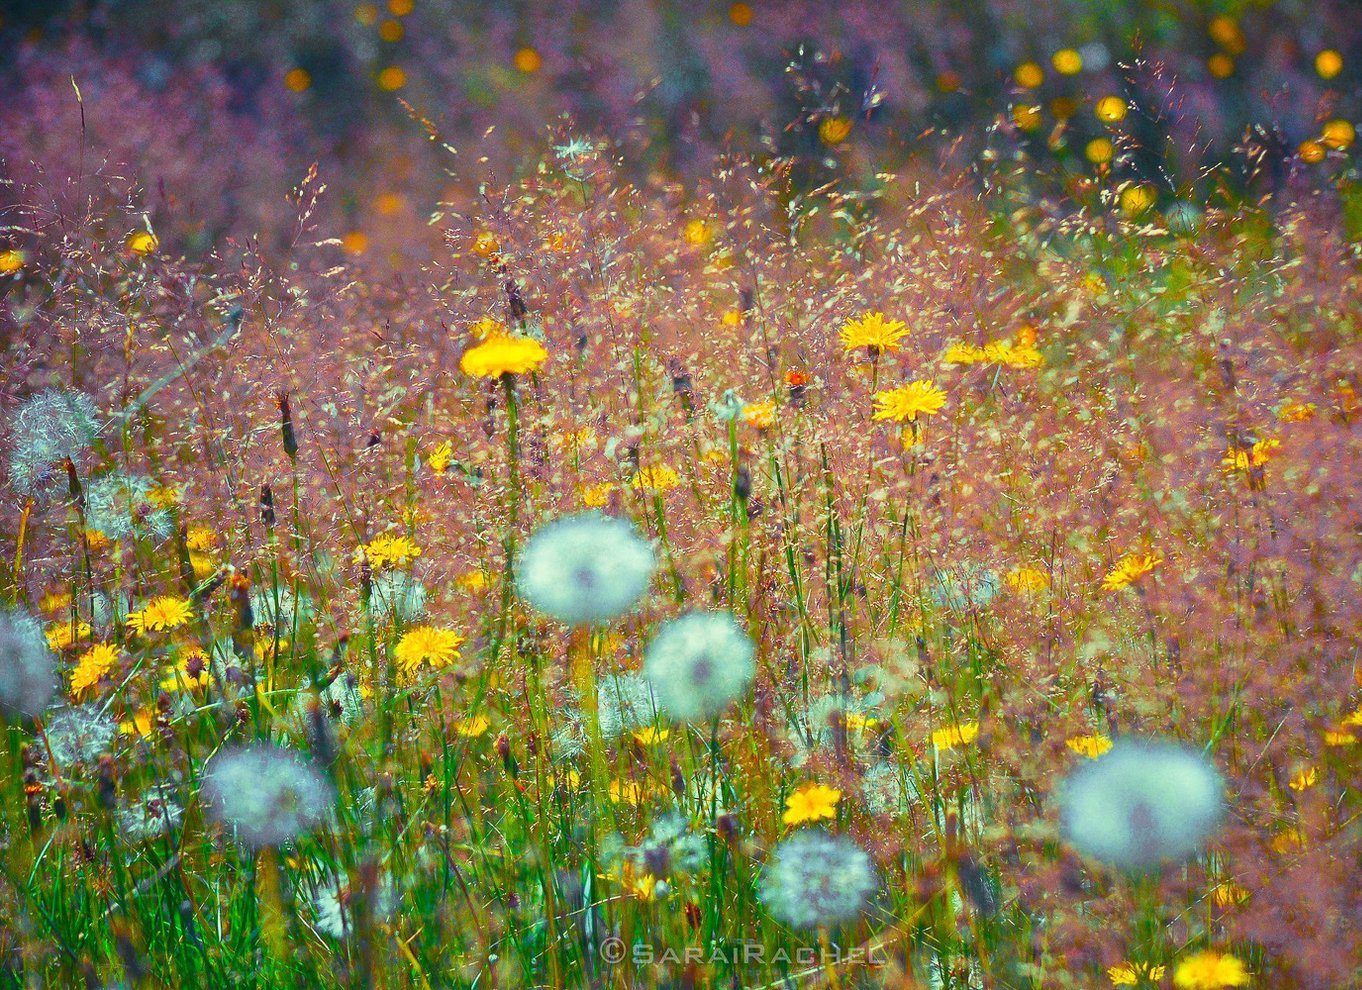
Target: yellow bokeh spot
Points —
{"points": [[1338, 134], [391, 30], [400, 8], [527, 60], [740, 14], [484, 243], [1137, 199], [1220, 65], [834, 130], [1099, 151], [1067, 62], [142, 242], [1026, 116], [297, 79], [1311, 151], [392, 78], [366, 14], [1224, 31], [1111, 109], [1328, 63], [11, 261], [388, 203], [355, 242], [948, 82], [1029, 75]]}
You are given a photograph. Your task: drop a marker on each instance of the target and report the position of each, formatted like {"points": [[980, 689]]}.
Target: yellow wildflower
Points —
{"points": [[1210, 970], [872, 331], [487, 326], [1244, 459], [697, 232], [811, 803], [385, 550], [919, 398], [759, 414], [190, 673], [142, 242], [441, 457], [473, 726], [834, 130], [54, 601], [651, 735], [626, 792], [1091, 746], [1025, 580], [164, 496], [955, 735], [963, 354], [596, 496], [64, 634], [1304, 778], [1228, 894], [140, 725], [655, 479], [94, 663], [1296, 412], [857, 722], [503, 354], [11, 261], [1130, 569], [472, 581], [201, 538], [1128, 974], [161, 613], [96, 540], [426, 645]]}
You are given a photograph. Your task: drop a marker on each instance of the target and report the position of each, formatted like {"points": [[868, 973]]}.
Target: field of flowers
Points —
{"points": [[944, 575]]}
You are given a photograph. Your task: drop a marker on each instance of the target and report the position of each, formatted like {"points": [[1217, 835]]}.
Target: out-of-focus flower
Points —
{"points": [[585, 569], [503, 354], [1246, 459], [834, 130], [93, 665], [28, 675], [655, 478], [873, 332], [759, 414], [1140, 804], [811, 803], [441, 457], [1210, 970], [699, 664], [66, 633], [697, 232], [1091, 746], [955, 735], [1026, 580], [1129, 974], [473, 726], [908, 402], [78, 734], [266, 794], [817, 880], [1296, 412], [1110, 109]]}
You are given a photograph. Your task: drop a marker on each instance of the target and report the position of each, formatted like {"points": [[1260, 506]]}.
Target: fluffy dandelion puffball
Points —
{"points": [[49, 428], [28, 678], [817, 880], [1141, 803], [699, 664], [266, 794], [585, 569]]}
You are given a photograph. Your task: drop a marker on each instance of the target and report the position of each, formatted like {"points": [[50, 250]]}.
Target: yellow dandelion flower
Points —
{"points": [[1228, 894], [1287, 841], [697, 232], [161, 613], [54, 601], [856, 722], [811, 803], [872, 331], [834, 130], [963, 354], [955, 735], [1130, 569], [164, 496], [596, 496], [503, 355], [641, 884], [11, 261], [191, 673], [1334, 737], [65, 634], [1306, 777], [651, 736], [1328, 63], [392, 78], [1338, 134], [1067, 62], [659, 478], [626, 792], [441, 457], [1027, 580], [1296, 412], [759, 414], [1210, 970], [1129, 974], [1029, 75], [473, 726], [426, 645], [142, 242], [201, 538], [94, 663], [1091, 746], [1245, 459], [485, 243], [472, 581], [96, 540], [1111, 109], [919, 398], [141, 724], [387, 550]]}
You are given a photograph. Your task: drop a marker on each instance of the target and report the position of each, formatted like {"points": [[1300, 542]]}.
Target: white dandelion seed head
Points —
{"points": [[333, 906], [79, 734], [399, 595], [48, 428], [1141, 804], [266, 794], [815, 879], [699, 664], [154, 814], [585, 569], [118, 505], [28, 674], [624, 703]]}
